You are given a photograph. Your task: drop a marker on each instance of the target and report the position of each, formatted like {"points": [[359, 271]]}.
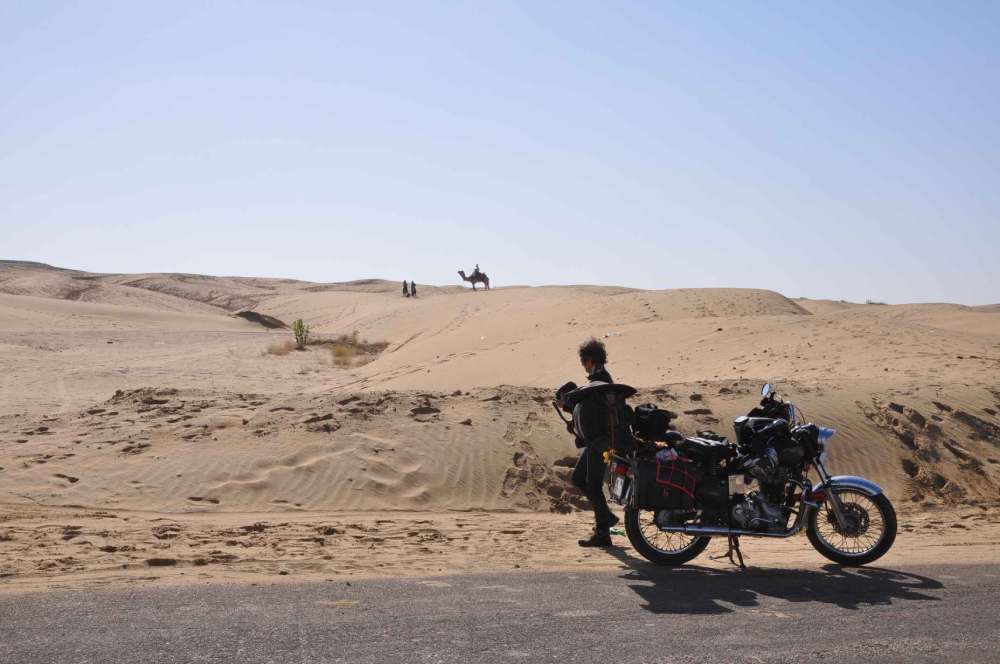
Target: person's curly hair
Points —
{"points": [[595, 351]]}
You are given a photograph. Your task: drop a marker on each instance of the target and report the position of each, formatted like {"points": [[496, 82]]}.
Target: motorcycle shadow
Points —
{"points": [[692, 589]]}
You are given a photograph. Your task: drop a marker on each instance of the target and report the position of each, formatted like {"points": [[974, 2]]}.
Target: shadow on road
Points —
{"points": [[701, 590]]}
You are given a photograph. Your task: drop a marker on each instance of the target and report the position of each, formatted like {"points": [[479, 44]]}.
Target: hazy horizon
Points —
{"points": [[458, 283], [830, 152]]}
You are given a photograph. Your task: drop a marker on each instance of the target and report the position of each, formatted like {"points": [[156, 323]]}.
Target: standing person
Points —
{"points": [[406, 293], [593, 437], [413, 288]]}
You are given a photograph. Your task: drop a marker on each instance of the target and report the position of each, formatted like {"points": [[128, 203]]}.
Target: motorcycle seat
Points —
{"points": [[703, 448]]}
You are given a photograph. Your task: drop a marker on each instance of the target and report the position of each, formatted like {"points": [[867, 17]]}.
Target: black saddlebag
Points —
{"points": [[651, 423], [665, 485]]}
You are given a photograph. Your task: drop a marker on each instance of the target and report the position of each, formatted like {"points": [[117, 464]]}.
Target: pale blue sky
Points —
{"points": [[847, 150]]}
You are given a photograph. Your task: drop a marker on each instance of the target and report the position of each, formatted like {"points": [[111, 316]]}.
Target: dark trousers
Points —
{"points": [[588, 475]]}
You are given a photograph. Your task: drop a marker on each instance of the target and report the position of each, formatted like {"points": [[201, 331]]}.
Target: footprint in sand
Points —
{"points": [[169, 531], [516, 430], [161, 562]]}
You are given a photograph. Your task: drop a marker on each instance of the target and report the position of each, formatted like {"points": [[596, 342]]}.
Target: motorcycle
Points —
{"points": [[676, 493]]}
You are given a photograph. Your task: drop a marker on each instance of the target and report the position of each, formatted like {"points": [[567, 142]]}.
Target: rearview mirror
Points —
{"points": [[766, 390]]}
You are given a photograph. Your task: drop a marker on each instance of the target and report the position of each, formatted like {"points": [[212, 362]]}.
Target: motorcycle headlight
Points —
{"points": [[824, 435]]}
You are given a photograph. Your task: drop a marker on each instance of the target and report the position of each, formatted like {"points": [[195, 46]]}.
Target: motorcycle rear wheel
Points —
{"points": [[640, 526], [858, 546]]}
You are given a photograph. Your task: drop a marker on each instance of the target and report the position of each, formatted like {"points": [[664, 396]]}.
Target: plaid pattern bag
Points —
{"points": [[665, 484], [676, 475]]}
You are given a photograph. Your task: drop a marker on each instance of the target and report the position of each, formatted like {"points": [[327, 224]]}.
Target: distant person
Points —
{"points": [[406, 292], [413, 288], [588, 474], [476, 272]]}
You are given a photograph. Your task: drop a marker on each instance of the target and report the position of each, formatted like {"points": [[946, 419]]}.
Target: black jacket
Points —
{"points": [[594, 417], [601, 375]]}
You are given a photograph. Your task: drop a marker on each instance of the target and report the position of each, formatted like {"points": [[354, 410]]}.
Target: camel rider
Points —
{"points": [[476, 272], [588, 474]]}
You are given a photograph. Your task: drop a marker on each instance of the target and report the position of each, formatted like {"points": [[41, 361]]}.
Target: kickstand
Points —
{"points": [[734, 547]]}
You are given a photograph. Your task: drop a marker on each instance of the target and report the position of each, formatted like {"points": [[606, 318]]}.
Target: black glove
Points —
{"points": [[562, 392]]}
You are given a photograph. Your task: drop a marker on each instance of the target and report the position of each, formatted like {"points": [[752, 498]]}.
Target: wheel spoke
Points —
{"points": [[663, 542], [865, 526]]}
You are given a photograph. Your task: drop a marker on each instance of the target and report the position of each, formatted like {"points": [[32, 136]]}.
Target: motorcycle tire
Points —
{"points": [[654, 555], [851, 560]]}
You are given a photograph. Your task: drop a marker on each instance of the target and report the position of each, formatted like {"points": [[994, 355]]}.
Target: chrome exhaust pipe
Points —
{"points": [[722, 531]]}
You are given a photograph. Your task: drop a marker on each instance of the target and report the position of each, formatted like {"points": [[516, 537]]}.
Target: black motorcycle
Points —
{"points": [[676, 490]]}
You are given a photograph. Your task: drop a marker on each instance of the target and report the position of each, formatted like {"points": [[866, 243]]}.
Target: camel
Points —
{"points": [[475, 278]]}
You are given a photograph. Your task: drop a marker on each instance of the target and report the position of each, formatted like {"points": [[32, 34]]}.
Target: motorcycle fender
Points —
{"points": [[847, 481]]}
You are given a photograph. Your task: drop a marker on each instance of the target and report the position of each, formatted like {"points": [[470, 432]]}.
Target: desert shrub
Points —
{"points": [[301, 332], [343, 355], [350, 349], [353, 341], [284, 348]]}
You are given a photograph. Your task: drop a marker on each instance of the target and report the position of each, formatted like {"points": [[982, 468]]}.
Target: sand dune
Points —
{"points": [[144, 393]]}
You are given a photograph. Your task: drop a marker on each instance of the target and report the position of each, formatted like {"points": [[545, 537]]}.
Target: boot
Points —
{"points": [[601, 538]]}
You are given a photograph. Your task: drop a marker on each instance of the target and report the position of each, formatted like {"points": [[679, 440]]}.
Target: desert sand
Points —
{"points": [[146, 431]]}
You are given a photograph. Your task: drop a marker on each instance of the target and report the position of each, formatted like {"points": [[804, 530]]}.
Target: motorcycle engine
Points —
{"points": [[755, 513]]}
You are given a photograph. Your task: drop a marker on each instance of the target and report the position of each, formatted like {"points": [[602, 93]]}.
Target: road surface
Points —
{"points": [[645, 614]]}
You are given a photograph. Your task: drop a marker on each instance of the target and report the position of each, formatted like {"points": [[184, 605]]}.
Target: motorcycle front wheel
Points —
{"points": [[656, 546], [868, 532]]}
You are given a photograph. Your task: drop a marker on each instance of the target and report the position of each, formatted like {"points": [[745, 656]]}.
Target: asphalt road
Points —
{"points": [[922, 613]]}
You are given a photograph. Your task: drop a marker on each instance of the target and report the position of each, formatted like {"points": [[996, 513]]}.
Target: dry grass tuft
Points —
{"points": [[346, 350], [343, 356], [284, 348], [350, 349], [354, 342]]}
